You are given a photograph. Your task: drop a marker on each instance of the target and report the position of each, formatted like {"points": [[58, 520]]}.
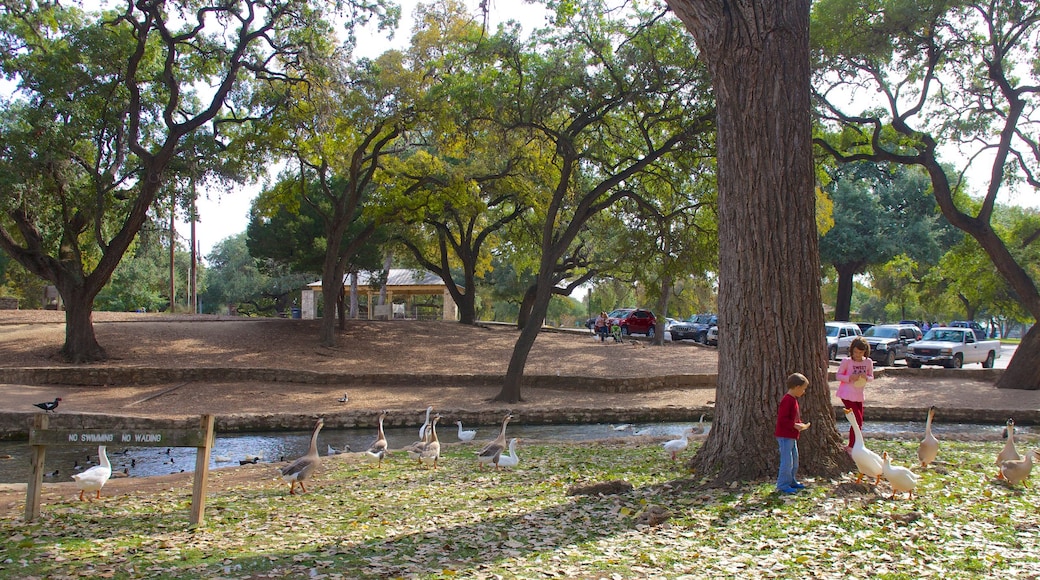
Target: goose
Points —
{"points": [[901, 478], [492, 451], [333, 451], [621, 427], [511, 460], [422, 430], [378, 450], [676, 446], [432, 451], [302, 468], [343, 399], [48, 405], [867, 462], [222, 459], [929, 447], [94, 479], [700, 429], [1016, 471], [1008, 453], [465, 435]]}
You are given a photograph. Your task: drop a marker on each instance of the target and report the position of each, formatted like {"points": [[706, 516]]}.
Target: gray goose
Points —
{"points": [[378, 450], [432, 451], [493, 450], [302, 468]]}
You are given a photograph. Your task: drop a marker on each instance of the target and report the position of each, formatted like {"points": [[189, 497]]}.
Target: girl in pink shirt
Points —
{"points": [[854, 372]]}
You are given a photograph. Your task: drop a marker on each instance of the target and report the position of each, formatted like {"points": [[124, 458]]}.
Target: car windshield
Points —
{"points": [[945, 335], [620, 313], [832, 331], [882, 332]]}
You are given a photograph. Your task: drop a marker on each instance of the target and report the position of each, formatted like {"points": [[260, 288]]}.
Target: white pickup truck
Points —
{"points": [[951, 348]]}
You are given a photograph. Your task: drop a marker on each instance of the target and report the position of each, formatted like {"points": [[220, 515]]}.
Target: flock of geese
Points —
{"points": [[1012, 467], [427, 450]]}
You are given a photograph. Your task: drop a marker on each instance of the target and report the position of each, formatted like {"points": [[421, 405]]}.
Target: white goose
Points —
{"points": [[1008, 453], [492, 452], [511, 460], [94, 479], [1016, 471], [425, 425], [432, 451], [928, 450], [901, 478], [378, 450], [867, 462], [302, 468], [677, 446], [465, 435]]}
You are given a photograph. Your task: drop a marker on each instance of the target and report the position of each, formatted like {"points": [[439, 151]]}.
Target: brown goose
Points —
{"points": [[302, 468], [1008, 453], [432, 451], [378, 450], [493, 450], [929, 447]]}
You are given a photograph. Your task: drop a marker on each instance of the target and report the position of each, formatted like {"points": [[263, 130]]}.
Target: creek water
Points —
{"points": [[276, 447]]}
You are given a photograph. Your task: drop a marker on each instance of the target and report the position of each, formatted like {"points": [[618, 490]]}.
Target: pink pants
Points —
{"points": [[857, 412]]}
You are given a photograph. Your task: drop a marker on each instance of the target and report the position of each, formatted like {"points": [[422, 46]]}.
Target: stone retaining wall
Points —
{"points": [[101, 376]]}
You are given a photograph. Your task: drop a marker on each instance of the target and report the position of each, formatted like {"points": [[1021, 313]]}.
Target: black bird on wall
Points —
{"points": [[48, 405]]}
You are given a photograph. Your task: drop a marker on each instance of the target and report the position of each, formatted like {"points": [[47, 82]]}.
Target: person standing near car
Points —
{"points": [[601, 326], [854, 372]]}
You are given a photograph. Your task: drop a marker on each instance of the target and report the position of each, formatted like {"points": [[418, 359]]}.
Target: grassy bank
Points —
{"points": [[359, 521]]}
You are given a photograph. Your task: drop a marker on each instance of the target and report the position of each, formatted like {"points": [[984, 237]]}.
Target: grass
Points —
{"points": [[458, 521]]}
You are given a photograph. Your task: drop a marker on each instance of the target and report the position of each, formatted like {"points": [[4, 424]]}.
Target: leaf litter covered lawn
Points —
{"points": [[405, 520]]}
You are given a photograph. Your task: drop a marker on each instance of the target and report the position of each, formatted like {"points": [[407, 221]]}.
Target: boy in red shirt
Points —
{"points": [[788, 426]]}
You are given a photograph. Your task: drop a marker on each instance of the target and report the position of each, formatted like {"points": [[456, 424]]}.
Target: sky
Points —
{"points": [[224, 214]]}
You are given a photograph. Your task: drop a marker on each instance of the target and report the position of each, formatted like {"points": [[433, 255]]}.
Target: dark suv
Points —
{"points": [[634, 321], [701, 323], [888, 342]]}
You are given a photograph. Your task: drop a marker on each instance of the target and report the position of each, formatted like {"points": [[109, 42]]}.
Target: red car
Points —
{"points": [[634, 321]]}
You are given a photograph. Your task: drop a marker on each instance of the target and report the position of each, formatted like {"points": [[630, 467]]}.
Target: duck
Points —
{"points": [[94, 479], [510, 460], [465, 435], [676, 446], [222, 458], [48, 405], [333, 451], [378, 450], [901, 478], [422, 429], [432, 451], [492, 451], [301, 469], [622, 427], [253, 461], [1016, 471], [929, 447], [867, 462], [1008, 453]]}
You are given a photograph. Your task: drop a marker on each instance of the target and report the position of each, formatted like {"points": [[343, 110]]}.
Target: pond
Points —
{"points": [[274, 447]]}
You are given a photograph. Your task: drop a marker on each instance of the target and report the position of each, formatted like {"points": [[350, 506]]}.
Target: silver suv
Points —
{"points": [[839, 337]]}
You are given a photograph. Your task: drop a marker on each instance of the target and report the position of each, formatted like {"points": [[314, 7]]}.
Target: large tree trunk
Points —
{"points": [[843, 302], [537, 297], [81, 344], [1023, 372], [769, 279], [662, 309]]}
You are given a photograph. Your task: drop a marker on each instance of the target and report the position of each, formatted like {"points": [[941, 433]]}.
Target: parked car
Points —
{"points": [[701, 323], [864, 325], [634, 321], [713, 336], [682, 330], [888, 342], [980, 332], [839, 337], [952, 348]]}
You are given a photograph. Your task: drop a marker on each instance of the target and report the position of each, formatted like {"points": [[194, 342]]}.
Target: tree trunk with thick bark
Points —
{"points": [[81, 344], [846, 277], [662, 308], [769, 267]]}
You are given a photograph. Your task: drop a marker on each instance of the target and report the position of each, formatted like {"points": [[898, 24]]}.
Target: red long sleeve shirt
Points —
{"points": [[786, 416]]}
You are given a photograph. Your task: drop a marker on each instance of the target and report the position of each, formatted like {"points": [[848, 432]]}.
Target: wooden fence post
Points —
{"points": [[198, 491], [34, 488]]}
